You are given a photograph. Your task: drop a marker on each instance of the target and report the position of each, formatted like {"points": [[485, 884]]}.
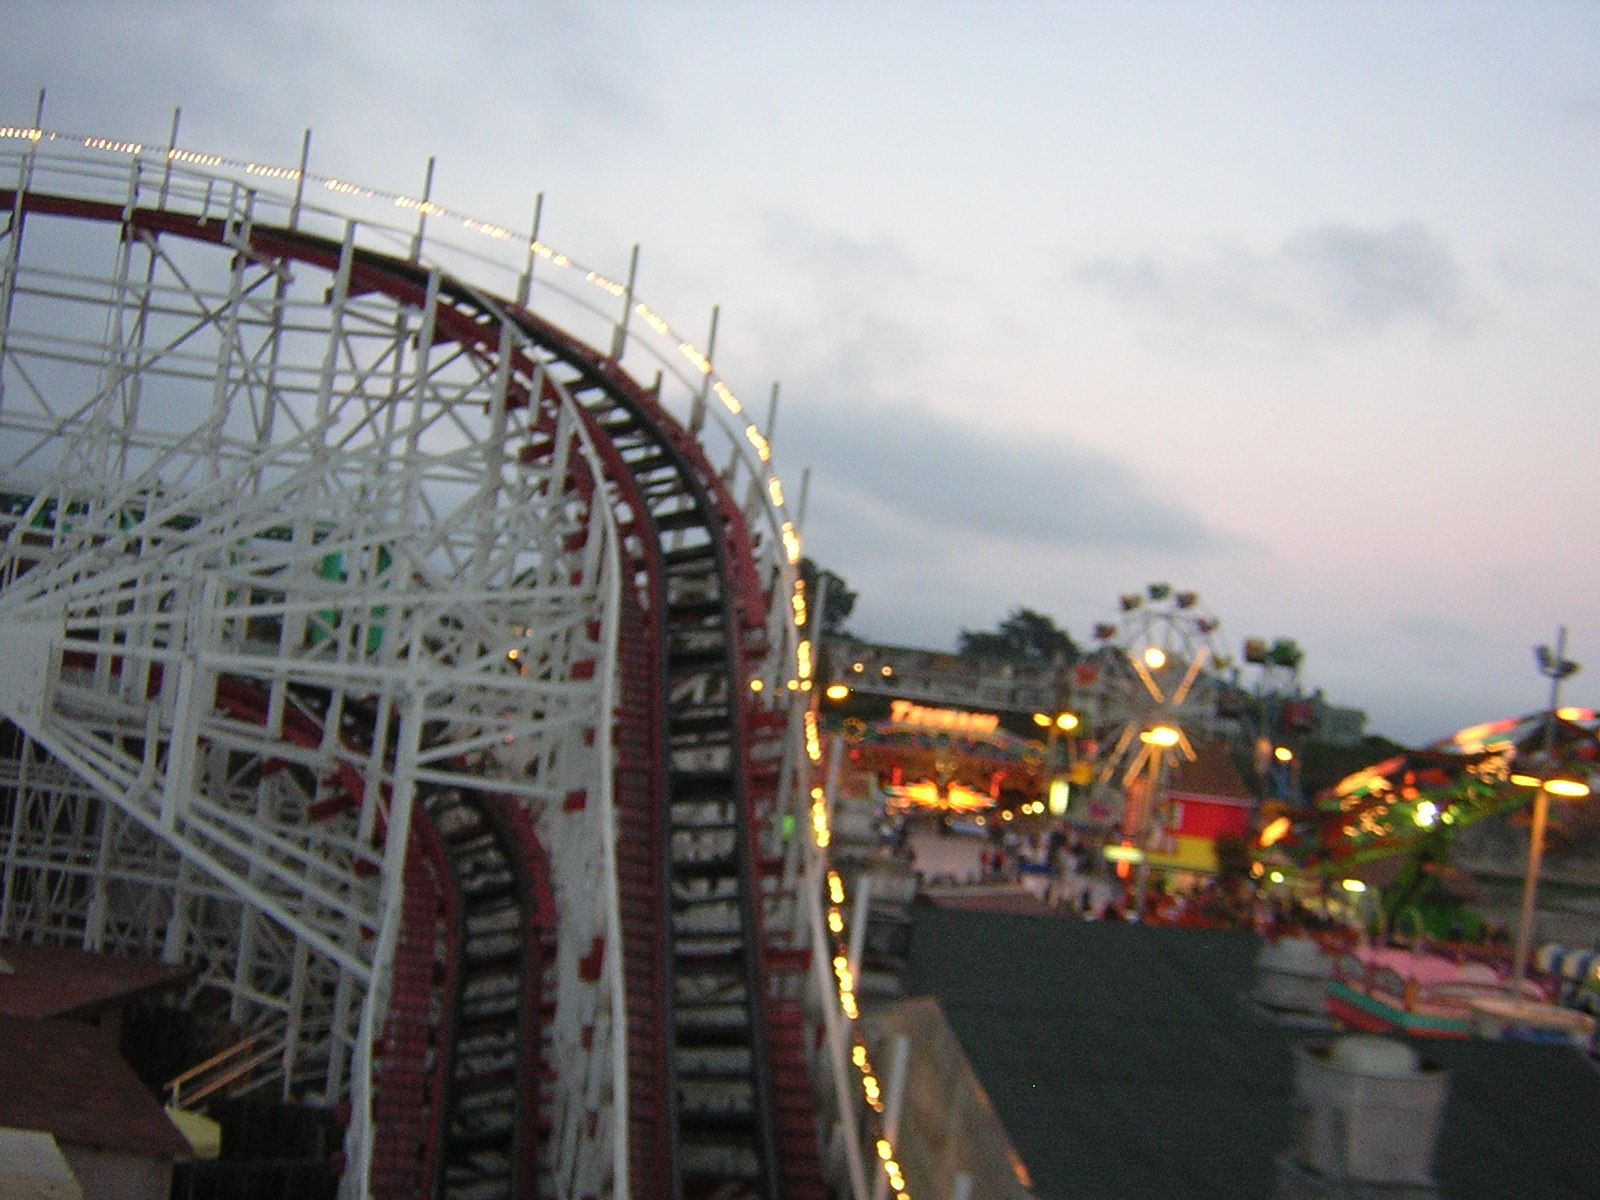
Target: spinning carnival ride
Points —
{"points": [[373, 644]]}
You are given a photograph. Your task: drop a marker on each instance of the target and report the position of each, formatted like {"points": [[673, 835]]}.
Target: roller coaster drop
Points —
{"points": [[379, 648]]}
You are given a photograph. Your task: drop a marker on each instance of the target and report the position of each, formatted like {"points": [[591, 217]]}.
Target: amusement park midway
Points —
{"points": [[1295, 305], [747, 601]]}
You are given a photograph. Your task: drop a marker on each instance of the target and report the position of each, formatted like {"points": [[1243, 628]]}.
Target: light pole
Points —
{"points": [[1063, 724], [1286, 774], [1157, 742], [1556, 667]]}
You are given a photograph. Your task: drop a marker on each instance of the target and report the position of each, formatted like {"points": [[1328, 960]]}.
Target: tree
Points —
{"points": [[837, 604], [1025, 637]]}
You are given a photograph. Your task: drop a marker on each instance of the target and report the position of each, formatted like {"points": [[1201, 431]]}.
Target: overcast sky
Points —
{"points": [[1294, 305]]}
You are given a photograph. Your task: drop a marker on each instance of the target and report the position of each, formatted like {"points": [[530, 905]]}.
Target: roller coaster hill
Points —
{"points": [[375, 643]]}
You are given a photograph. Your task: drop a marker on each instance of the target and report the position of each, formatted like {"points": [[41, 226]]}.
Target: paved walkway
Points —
{"points": [[1124, 1066]]}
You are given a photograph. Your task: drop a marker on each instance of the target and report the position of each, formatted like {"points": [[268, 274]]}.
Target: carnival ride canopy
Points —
{"points": [[947, 768], [1476, 773]]}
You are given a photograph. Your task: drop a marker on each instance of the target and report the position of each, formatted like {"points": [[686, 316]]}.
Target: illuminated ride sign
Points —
{"points": [[905, 712], [929, 756]]}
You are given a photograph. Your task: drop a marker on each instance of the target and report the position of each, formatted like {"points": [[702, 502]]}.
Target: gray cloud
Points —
{"points": [[1375, 277], [884, 458], [1325, 281], [364, 76], [1523, 269], [941, 475]]}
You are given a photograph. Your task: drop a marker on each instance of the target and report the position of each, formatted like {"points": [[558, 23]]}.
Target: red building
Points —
{"points": [[1205, 800]]}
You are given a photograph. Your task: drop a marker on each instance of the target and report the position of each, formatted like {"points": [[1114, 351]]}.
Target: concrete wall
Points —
{"points": [[947, 1126], [32, 1167], [107, 1175]]}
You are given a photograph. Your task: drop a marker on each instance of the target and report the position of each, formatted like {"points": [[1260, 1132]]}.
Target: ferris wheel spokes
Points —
{"points": [[1156, 660], [1196, 664], [1146, 678], [1108, 764]]}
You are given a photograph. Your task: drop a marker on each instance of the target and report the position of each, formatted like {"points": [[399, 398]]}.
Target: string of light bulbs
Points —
{"points": [[700, 362], [691, 353]]}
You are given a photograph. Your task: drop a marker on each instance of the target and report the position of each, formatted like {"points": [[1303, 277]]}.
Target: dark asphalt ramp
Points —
{"points": [[1124, 1064]]}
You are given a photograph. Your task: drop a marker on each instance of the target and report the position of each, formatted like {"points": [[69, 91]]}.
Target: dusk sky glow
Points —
{"points": [[1295, 306]]}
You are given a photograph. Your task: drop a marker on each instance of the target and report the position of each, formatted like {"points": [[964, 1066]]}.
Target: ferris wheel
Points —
{"points": [[1150, 693]]}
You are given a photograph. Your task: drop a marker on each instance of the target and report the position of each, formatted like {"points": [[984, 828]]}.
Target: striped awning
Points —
{"points": [[1577, 965]]}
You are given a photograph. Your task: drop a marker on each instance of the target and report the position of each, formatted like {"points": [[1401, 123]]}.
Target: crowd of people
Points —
{"points": [[1058, 866], [1065, 868]]}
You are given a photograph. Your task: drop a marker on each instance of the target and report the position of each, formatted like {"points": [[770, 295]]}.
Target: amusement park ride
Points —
{"points": [[1146, 701], [377, 638], [1158, 650], [400, 627]]}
